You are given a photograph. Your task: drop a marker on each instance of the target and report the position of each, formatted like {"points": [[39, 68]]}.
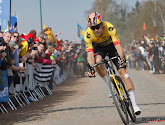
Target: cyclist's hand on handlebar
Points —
{"points": [[122, 62], [91, 73]]}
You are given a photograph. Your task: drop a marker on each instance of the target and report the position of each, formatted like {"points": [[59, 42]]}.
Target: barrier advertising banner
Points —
{"points": [[4, 95], [4, 14]]}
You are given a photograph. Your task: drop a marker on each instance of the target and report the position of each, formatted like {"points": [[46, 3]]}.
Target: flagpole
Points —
{"points": [[41, 14], [10, 12]]}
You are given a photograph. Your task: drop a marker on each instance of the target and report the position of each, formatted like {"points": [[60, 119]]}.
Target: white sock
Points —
{"points": [[132, 97], [107, 80]]}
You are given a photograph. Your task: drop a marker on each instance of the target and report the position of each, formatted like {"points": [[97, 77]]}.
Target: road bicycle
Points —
{"points": [[119, 94]]}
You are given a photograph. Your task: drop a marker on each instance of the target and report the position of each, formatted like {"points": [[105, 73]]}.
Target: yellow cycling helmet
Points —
{"points": [[94, 19]]}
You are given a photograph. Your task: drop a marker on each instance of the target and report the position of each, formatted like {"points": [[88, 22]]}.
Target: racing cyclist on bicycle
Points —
{"points": [[101, 38]]}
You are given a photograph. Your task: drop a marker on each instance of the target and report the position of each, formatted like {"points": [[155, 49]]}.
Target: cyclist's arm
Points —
{"points": [[89, 48], [116, 41], [90, 58], [120, 50]]}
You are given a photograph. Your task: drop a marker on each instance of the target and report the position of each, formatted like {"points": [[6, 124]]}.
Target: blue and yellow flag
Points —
{"points": [[80, 32]]}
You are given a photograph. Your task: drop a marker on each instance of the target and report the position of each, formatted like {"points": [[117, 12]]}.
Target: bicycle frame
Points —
{"points": [[112, 74], [119, 94], [111, 71], [116, 83]]}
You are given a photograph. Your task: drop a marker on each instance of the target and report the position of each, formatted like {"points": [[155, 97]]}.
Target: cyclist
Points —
{"points": [[101, 38]]}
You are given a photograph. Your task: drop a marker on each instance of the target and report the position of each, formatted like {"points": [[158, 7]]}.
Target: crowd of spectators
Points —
{"points": [[18, 50], [147, 54]]}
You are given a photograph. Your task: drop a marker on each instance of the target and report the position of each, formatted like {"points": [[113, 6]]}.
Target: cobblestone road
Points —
{"points": [[93, 107]]}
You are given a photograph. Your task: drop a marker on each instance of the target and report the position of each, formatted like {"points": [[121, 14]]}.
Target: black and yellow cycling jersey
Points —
{"points": [[109, 35]]}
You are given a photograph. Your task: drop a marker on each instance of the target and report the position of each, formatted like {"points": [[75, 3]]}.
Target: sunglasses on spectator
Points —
{"points": [[16, 36], [96, 27]]}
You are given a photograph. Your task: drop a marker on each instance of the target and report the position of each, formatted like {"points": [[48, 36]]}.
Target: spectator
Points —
{"points": [[155, 57], [42, 38], [15, 37], [144, 57], [2, 56], [160, 54], [41, 52], [137, 56], [80, 65]]}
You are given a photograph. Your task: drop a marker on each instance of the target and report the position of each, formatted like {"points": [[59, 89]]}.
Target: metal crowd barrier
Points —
{"points": [[32, 90]]}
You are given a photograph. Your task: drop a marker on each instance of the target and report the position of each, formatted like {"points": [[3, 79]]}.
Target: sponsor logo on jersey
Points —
{"points": [[86, 43], [111, 28], [88, 35], [105, 43]]}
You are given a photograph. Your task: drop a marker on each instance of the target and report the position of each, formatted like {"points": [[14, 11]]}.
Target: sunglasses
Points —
{"points": [[96, 27], [16, 36]]}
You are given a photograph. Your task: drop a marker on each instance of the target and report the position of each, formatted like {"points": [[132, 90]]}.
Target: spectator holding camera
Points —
{"points": [[40, 48]]}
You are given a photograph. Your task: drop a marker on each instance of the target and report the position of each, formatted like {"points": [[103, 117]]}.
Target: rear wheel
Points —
{"points": [[127, 100], [119, 103]]}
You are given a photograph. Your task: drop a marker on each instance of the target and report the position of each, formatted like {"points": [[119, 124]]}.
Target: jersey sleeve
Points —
{"points": [[88, 41], [113, 33]]}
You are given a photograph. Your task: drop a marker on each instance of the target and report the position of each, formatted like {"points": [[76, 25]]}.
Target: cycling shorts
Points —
{"points": [[110, 50]]}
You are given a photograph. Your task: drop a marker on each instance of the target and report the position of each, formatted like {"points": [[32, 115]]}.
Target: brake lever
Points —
{"points": [[121, 62]]}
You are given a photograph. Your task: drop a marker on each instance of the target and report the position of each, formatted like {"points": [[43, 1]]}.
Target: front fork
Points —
{"points": [[112, 78]]}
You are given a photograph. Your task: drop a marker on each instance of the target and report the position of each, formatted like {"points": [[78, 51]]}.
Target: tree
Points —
{"points": [[151, 12]]}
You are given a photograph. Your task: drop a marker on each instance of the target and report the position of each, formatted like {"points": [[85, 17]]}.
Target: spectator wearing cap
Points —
{"points": [[42, 38]]}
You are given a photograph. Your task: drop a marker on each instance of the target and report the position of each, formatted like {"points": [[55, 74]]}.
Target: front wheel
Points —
{"points": [[119, 103], [127, 100]]}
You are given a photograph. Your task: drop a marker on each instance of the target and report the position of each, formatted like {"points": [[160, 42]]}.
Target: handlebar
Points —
{"points": [[102, 62]]}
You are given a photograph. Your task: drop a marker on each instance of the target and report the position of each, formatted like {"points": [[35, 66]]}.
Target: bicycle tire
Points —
{"points": [[129, 106], [119, 104]]}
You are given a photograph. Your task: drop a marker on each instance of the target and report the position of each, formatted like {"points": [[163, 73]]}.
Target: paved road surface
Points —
{"points": [[89, 104]]}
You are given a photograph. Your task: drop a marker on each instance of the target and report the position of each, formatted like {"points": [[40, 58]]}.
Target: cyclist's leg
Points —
{"points": [[127, 81], [99, 55], [130, 89], [100, 69]]}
